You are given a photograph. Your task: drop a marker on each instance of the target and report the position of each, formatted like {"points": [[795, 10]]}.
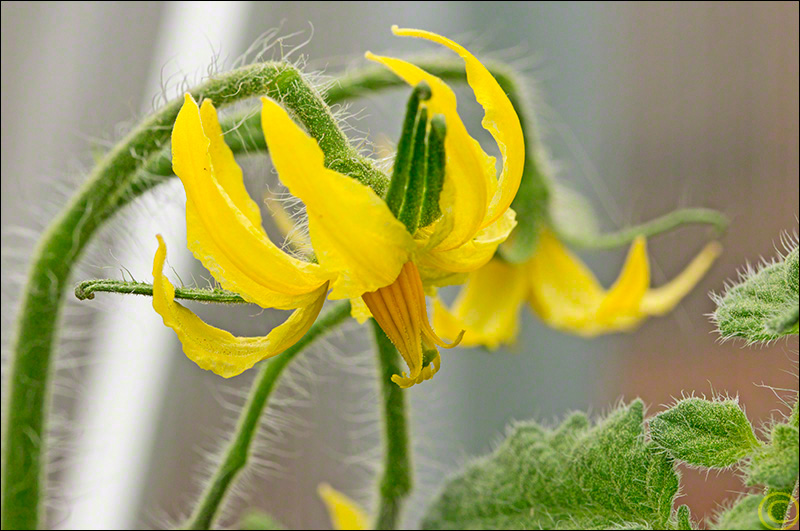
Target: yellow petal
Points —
{"points": [[344, 512], [222, 236], [500, 119], [469, 172], [354, 234], [225, 169], [217, 350], [359, 310], [563, 291], [575, 302], [487, 308], [473, 254], [623, 301], [661, 300]]}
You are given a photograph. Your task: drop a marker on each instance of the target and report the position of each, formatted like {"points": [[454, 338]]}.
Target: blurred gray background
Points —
{"points": [[644, 107]]}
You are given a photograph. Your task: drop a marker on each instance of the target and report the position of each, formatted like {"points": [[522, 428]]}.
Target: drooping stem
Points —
{"points": [[667, 222], [395, 484], [238, 451], [244, 128]]}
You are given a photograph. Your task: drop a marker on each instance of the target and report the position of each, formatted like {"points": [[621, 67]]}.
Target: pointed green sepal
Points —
{"points": [[434, 171], [412, 200], [405, 147]]}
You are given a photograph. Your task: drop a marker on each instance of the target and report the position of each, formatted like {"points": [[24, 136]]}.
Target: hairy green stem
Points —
{"points": [[244, 128], [667, 222], [112, 184], [86, 290], [236, 455], [396, 482]]}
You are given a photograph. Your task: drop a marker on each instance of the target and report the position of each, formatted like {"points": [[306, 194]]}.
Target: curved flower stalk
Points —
{"points": [[444, 215], [564, 293]]}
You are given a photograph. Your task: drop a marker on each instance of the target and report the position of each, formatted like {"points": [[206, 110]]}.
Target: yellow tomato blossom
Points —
{"points": [[563, 293], [363, 252], [345, 514]]}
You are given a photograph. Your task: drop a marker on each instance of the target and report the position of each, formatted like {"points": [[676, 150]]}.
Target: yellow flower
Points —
{"points": [[363, 252], [344, 512], [564, 294]]}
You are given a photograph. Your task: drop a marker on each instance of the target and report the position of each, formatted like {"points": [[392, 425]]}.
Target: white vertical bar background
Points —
{"points": [[125, 390]]}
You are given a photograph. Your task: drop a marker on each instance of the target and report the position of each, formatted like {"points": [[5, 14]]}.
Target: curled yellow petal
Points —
{"points": [[567, 296], [487, 308], [500, 119], [217, 350], [344, 512], [658, 301], [624, 299], [353, 232], [473, 254], [469, 172], [220, 228], [225, 169], [563, 291]]}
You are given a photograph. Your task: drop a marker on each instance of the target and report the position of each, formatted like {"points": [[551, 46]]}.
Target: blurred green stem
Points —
{"points": [[667, 222], [396, 482], [238, 451]]}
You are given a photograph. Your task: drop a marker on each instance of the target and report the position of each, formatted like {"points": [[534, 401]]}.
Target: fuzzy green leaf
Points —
{"points": [[764, 306], [742, 515], [704, 433], [777, 464], [573, 477]]}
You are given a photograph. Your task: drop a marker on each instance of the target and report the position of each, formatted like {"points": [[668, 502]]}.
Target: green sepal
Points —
{"points": [[710, 434], [573, 477], [412, 199], [405, 147], [434, 171], [532, 208]]}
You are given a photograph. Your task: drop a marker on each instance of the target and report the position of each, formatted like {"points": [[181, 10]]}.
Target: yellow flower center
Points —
{"points": [[399, 309]]}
